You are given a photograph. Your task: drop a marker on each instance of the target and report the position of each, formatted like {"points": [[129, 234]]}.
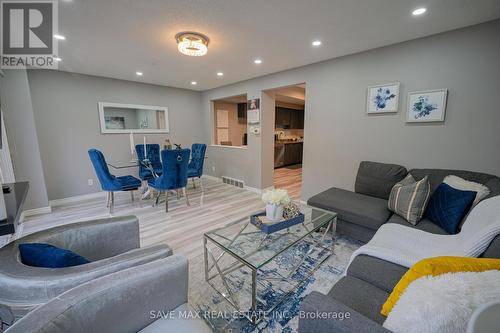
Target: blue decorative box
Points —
{"points": [[269, 228]]}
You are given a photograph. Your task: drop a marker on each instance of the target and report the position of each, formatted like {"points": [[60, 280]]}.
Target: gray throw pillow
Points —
{"points": [[409, 198]]}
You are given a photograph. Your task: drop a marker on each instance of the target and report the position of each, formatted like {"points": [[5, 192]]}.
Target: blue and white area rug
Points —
{"points": [[284, 318]]}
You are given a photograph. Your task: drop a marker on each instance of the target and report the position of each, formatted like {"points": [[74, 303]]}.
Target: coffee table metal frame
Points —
{"points": [[212, 262]]}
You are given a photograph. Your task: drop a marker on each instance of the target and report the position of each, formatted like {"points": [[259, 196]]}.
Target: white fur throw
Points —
{"points": [[443, 303], [465, 185]]}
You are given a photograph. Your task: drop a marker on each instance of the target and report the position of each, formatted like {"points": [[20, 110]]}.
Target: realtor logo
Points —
{"points": [[27, 34]]}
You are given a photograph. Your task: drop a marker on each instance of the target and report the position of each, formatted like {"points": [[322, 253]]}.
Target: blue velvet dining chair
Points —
{"points": [[110, 183], [153, 157], [174, 173], [195, 166]]}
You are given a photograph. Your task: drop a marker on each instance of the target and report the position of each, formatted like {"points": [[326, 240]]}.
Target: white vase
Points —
{"points": [[274, 212]]}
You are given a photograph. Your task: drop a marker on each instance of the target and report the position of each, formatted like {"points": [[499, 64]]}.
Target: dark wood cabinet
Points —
{"points": [[293, 153], [289, 118], [242, 113], [282, 117], [297, 119]]}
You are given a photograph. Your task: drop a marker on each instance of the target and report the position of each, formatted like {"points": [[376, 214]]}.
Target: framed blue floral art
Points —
{"points": [[383, 98], [426, 106]]}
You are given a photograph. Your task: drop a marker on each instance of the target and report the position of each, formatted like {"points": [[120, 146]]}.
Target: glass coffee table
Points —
{"points": [[255, 271]]}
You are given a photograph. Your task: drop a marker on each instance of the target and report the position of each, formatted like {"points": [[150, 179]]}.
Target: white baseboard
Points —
{"points": [[217, 179], [258, 190], [253, 189], [36, 211], [77, 198], [250, 188]]}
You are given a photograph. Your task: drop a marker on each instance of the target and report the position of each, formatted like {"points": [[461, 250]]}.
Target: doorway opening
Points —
{"points": [[289, 138]]}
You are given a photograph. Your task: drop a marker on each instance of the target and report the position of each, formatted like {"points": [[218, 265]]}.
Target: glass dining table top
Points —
{"points": [[124, 164], [127, 164]]}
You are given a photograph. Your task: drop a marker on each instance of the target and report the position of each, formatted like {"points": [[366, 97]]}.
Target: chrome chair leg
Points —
{"points": [[109, 200], [166, 201], [178, 194], [201, 184], [132, 195], [194, 183], [155, 203], [112, 204], [185, 194]]}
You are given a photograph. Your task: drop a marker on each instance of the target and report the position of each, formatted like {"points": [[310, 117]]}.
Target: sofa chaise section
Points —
{"points": [[362, 212], [356, 211]]}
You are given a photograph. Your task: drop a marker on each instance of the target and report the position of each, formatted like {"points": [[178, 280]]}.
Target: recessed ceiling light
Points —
{"points": [[220, 74], [258, 61], [57, 58], [194, 83], [419, 11], [138, 73], [60, 37], [316, 43]]}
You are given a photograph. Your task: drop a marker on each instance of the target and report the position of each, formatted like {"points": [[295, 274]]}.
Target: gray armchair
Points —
{"points": [[111, 244], [128, 301]]}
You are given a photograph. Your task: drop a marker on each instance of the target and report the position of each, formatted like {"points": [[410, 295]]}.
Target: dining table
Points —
{"points": [[134, 163]]}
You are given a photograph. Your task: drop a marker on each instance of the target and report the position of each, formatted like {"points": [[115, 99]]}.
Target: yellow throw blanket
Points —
{"points": [[437, 266]]}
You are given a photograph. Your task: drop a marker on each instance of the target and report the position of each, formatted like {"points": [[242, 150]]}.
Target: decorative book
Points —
{"points": [[267, 226]]}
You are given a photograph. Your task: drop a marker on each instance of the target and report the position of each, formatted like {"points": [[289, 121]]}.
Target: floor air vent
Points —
{"points": [[234, 182]]}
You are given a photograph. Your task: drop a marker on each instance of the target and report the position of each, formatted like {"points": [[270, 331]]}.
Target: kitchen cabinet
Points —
{"points": [[242, 113], [289, 118], [293, 153], [282, 117], [297, 119]]}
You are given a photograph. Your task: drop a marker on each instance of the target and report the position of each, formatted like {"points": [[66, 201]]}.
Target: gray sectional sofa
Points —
{"points": [[362, 212], [369, 280]]}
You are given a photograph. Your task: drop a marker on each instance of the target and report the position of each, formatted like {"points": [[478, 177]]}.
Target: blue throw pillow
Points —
{"points": [[48, 256], [447, 207]]}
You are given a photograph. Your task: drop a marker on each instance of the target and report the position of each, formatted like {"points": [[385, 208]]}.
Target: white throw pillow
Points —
{"points": [[465, 185], [443, 303]]}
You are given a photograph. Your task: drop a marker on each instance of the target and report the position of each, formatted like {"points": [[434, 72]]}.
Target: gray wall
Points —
{"points": [[338, 134], [67, 121], [22, 136]]}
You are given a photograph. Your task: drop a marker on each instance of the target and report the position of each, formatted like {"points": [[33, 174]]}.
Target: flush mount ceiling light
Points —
{"points": [[257, 61], [138, 73], [194, 83], [192, 44], [316, 43], [60, 37], [419, 11]]}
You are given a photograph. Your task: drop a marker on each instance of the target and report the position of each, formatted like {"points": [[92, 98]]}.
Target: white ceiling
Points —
{"points": [[116, 38]]}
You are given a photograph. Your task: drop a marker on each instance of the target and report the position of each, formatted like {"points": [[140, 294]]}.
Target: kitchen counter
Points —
{"points": [[284, 142], [287, 152]]}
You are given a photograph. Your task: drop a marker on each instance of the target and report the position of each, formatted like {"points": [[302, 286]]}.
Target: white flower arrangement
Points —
{"points": [[276, 197]]}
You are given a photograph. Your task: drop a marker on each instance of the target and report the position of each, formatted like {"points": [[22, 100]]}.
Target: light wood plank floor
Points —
{"points": [[181, 228], [289, 178]]}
